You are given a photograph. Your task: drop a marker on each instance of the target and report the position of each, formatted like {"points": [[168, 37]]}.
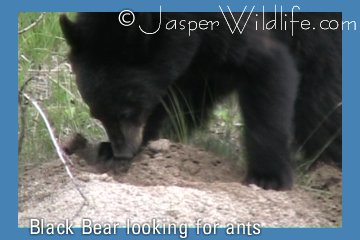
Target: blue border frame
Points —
{"points": [[351, 95]]}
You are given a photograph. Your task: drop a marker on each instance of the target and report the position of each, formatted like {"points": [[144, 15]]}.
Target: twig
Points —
{"points": [[299, 150], [316, 190], [22, 125], [22, 88], [22, 115], [33, 24], [59, 151]]}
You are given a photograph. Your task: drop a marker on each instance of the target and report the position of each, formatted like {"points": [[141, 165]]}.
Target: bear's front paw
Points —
{"points": [[275, 180]]}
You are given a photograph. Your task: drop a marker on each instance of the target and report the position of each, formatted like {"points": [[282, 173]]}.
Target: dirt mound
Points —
{"points": [[175, 183]]}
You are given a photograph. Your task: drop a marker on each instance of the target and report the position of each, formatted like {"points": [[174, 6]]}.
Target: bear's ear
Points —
{"points": [[137, 39], [69, 30]]}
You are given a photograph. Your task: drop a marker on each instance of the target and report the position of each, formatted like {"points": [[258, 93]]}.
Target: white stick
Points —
{"points": [[52, 136]]}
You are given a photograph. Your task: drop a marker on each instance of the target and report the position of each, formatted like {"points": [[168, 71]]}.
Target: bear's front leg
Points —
{"points": [[267, 94]]}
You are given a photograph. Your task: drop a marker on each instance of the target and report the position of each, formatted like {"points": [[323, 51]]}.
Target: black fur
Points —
{"points": [[289, 87]]}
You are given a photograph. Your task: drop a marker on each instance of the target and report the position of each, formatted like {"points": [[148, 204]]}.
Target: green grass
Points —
{"points": [[176, 127], [219, 136], [226, 131], [42, 56]]}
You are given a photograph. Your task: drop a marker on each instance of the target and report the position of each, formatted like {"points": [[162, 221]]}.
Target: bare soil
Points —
{"points": [[173, 183]]}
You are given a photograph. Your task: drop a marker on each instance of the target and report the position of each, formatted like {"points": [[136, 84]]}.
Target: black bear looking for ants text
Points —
{"points": [[288, 81]]}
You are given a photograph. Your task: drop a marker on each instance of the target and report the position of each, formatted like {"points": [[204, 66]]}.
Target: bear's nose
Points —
{"points": [[122, 153]]}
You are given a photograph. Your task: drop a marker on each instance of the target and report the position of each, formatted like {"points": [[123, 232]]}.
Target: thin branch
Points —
{"points": [[59, 150], [33, 24], [317, 128], [22, 88], [22, 115], [22, 124]]}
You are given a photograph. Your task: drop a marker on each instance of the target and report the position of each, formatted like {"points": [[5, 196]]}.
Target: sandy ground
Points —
{"points": [[174, 183]]}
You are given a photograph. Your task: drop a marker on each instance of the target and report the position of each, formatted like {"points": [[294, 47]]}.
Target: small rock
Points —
{"points": [[82, 162], [103, 177], [161, 145], [158, 155], [84, 178], [108, 179]]}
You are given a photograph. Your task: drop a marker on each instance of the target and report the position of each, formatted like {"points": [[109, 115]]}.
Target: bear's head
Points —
{"points": [[113, 76]]}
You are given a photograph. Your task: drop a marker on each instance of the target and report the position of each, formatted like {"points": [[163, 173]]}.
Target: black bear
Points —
{"points": [[288, 79]]}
